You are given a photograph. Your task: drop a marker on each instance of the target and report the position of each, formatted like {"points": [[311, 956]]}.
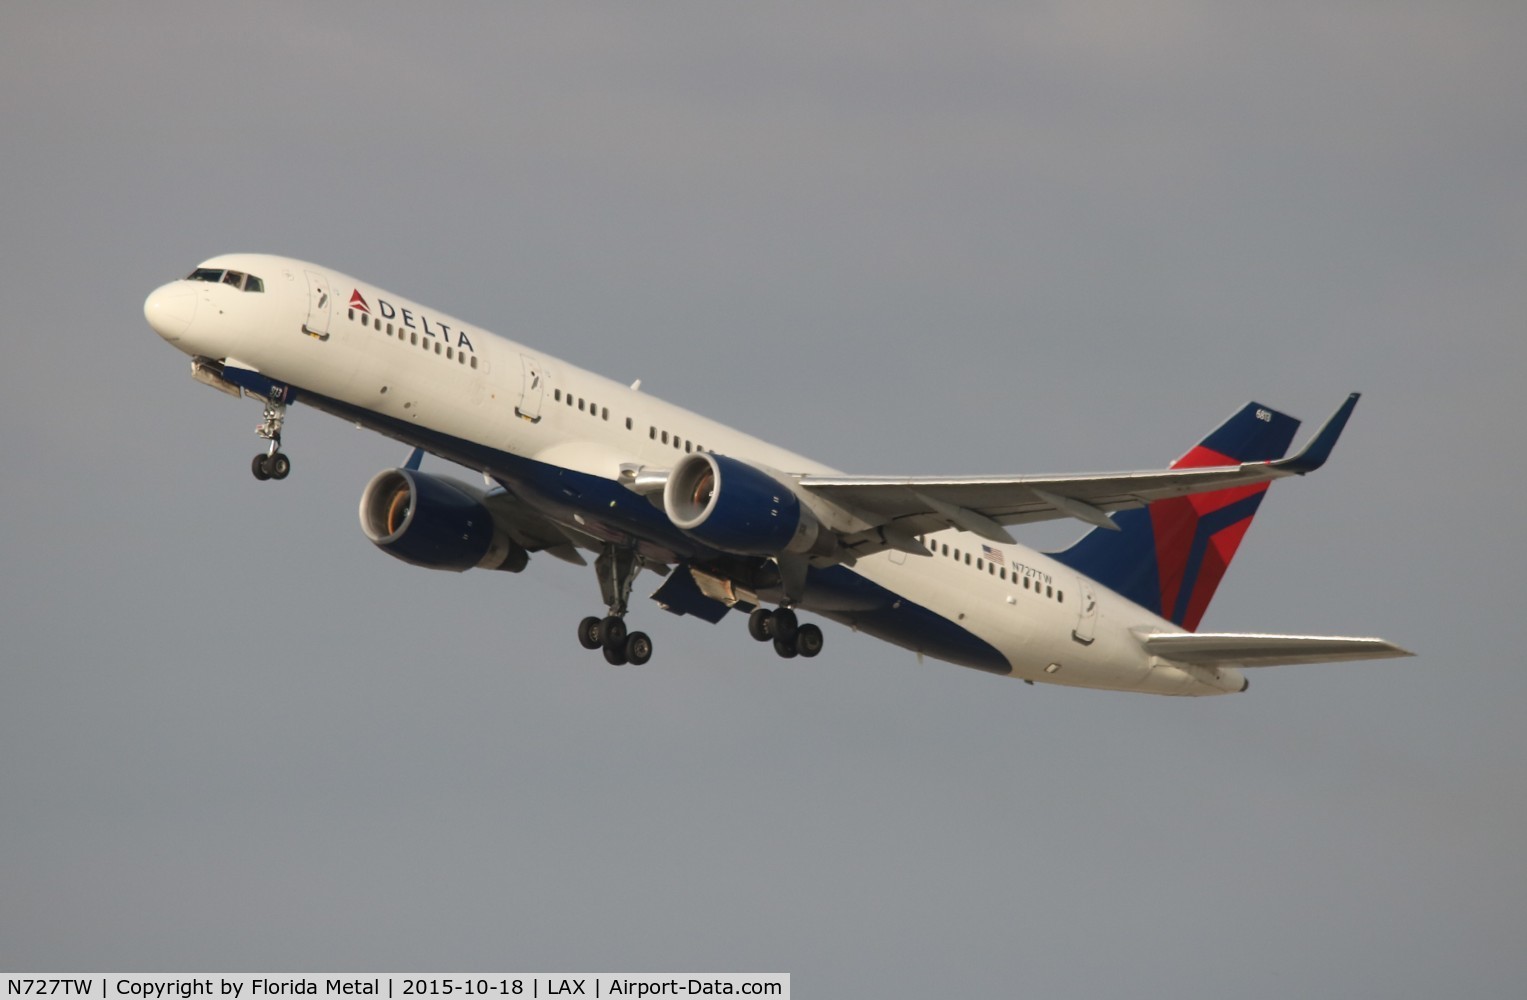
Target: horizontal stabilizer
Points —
{"points": [[1248, 649]]}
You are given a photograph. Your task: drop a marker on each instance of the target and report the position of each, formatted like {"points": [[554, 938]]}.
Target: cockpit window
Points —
{"points": [[238, 279]]}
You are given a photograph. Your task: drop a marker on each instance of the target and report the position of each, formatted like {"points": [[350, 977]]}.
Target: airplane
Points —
{"points": [[573, 463]]}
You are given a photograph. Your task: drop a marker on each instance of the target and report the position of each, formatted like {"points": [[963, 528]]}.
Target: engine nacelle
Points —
{"points": [[738, 508], [436, 523]]}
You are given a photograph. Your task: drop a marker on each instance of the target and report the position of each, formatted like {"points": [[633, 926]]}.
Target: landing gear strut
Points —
{"points": [[790, 638], [617, 567], [272, 463]]}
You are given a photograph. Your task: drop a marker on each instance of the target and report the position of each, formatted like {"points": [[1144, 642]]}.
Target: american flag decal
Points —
{"points": [[995, 555]]}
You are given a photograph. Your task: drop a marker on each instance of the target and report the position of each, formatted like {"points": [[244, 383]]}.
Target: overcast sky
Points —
{"points": [[905, 239]]}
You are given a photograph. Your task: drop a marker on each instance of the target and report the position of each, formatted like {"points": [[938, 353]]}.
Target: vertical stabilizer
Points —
{"points": [[1170, 556]]}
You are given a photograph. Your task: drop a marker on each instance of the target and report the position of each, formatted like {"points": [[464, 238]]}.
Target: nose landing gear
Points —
{"points": [[272, 463]]}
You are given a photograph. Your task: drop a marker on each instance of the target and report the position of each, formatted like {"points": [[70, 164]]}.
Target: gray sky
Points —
{"points": [[905, 239]]}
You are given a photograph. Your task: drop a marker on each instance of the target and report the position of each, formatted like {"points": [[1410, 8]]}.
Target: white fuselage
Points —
{"points": [[400, 366]]}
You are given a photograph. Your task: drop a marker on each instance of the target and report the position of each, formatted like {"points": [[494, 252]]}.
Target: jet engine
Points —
{"points": [[436, 523], [736, 507]]}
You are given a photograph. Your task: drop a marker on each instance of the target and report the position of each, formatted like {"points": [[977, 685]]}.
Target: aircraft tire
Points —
{"points": [[588, 633], [808, 640], [785, 647], [761, 624], [612, 632], [259, 467], [279, 465], [785, 624], [638, 648], [615, 655]]}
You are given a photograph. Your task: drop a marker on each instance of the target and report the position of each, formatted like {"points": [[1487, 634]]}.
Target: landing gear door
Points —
{"points": [[320, 303], [1087, 614], [532, 389]]}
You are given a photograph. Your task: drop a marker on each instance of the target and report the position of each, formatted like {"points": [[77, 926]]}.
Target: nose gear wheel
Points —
{"points": [[272, 463]]}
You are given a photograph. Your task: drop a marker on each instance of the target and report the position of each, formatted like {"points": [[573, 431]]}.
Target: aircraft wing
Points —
{"points": [[533, 531], [984, 504], [1246, 649]]}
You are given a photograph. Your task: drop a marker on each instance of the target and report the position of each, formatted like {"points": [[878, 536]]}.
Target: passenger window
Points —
{"points": [[1060, 597], [557, 395], [665, 437], [1049, 592], [413, 338], [474, 361], [628, 423], [352, 314], [980, 564], [450, 354], [687, 447], [604, 414], [1025, 583]]}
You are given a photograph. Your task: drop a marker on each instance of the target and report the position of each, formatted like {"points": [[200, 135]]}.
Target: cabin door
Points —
{"points": [[1087, 614], [532, 389], [319, 306]]}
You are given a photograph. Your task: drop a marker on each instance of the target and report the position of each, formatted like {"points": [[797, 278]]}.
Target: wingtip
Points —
{"points": [[1319, 449]]}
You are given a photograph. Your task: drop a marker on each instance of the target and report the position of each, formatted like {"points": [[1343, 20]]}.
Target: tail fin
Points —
{"points": [[1170, 555]]}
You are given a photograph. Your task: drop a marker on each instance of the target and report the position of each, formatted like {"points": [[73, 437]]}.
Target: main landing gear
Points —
{"points": [[272, 463], [617, 567], [790, 638], [610, 635]]}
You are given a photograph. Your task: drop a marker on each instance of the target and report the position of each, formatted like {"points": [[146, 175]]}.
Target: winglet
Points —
{"points": [[414, 458], [1318, 450]]}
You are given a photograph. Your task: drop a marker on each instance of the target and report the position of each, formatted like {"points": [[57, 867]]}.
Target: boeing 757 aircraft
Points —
{"points": [[573, 463]]}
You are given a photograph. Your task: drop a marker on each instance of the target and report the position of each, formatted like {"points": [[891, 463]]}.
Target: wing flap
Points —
{"points": [[1250, 649]]}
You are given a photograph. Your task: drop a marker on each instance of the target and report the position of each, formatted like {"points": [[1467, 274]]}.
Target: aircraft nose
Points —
{"points": [[170, 308]]}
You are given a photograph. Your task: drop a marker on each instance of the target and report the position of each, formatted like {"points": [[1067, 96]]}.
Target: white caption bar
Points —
{"points": [[460, 986]]}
